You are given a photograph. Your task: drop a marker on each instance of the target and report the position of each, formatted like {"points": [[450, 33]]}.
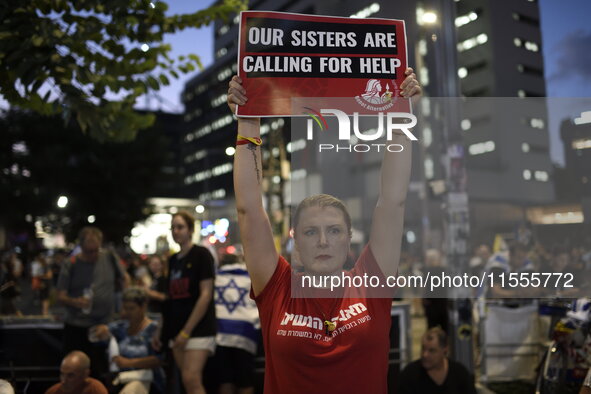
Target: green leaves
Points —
{"points": [[77, 53], [37, 41], [153, 83]]}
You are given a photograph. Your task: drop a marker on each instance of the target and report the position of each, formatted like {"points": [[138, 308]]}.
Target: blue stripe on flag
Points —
{"points": [[238, 327], [236, 271]]}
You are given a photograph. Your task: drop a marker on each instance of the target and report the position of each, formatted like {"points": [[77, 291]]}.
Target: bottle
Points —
{"points": [[113, 351], [88, 293]]}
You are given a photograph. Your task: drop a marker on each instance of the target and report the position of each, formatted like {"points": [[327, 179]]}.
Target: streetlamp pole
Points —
{"points": [[456, 220]]}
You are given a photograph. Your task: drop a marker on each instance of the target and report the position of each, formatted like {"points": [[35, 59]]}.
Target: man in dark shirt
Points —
{"points": [[434, 372]]}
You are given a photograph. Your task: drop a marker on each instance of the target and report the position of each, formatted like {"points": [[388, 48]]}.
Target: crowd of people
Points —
{"points": [[131, 323]]}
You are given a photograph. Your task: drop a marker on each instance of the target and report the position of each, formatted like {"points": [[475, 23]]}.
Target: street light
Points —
{"points": [[62, 201], [429, 18]]}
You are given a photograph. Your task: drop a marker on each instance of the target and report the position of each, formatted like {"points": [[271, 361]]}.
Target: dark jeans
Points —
{"points": [[76, 338]]}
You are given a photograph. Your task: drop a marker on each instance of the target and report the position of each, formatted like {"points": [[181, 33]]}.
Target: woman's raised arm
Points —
{"points": [[388, 217], [255, 228]]}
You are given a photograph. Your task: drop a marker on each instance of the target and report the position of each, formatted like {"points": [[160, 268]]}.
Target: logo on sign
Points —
{"points": [[375, 98]]}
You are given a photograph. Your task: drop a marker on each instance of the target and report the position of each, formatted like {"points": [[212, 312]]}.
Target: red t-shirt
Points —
{"points": [[301, 358], [91, 386]]}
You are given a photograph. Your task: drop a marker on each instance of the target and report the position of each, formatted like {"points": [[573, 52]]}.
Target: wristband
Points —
{"points": [[184, 334], [242, 140]]}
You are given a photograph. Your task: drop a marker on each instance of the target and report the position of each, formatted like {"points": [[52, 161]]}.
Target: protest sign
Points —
{"points": [[284, 56]]}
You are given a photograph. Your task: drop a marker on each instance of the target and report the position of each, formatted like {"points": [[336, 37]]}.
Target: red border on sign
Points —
{"points": [[272, 96]]}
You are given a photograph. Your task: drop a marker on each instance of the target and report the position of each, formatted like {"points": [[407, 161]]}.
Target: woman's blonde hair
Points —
{"points": [[322, 201]]}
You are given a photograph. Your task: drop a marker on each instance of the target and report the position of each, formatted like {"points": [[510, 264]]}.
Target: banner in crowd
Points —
{"points": [[284, 56]]}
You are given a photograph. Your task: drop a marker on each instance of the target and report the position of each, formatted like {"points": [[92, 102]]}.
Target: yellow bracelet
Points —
{"points": [[184, 334], [254, 140]]}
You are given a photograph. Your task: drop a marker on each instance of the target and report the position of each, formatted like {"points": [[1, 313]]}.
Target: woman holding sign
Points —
{"points": [[330, 341]]}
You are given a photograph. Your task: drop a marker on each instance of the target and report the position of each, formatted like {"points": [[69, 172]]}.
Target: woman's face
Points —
{"points": [[322, 239], [155, 266], [132, 312], [180, 230]]}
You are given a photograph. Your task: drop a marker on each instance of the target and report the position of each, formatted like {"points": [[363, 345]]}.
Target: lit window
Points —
{"points": [[296, 145], [216, 194], [527, 175], [424, 75], [472, 42], [423, 47], [429, 168], [528, 45], [224, 74], [465, 19], [427, 136], [585, 118], [517, 41], [466, 124], [221, 52], [367, 11], [426, 107], [222, 169], [541, 176], [581, 144], [481, 147], [298, 174], [532, 46], [221, 122], [537, 123], [202, 131], [221, 99]]}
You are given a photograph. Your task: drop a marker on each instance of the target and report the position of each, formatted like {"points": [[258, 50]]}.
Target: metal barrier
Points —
{"points": [[31, 352]]}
